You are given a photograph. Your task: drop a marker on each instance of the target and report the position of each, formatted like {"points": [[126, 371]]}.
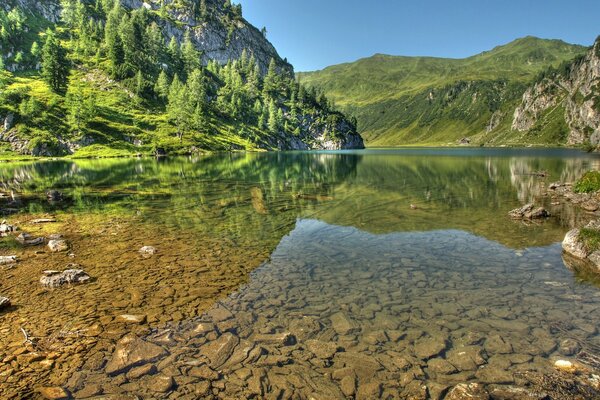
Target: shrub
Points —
{"points": [[588, 183], [590, 239]]}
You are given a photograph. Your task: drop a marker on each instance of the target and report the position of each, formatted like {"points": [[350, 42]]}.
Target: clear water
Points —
{"points": [[377, 273]]}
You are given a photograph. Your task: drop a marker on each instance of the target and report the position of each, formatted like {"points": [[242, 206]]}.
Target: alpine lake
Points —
{"points": [[392, 274]]}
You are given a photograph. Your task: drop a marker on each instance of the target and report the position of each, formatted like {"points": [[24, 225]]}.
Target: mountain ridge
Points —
{"points": [[430, 100]]}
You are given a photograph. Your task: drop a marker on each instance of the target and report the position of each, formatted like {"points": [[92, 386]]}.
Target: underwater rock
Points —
{"points": [[219, 351], [471, 391], [529, 211], [53, 393], [70, 276], [132, 351]]}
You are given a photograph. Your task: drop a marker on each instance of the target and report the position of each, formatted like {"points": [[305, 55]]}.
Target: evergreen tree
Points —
{"points": [[203, 10], [35, 51], [189, 54], [174, 53], [55, 66], [81, 107], [178, 108], [273, 123], [162, 86], [271, 80]]}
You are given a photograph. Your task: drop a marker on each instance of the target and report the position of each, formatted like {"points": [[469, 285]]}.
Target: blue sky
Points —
{"points": [[313, 34]]}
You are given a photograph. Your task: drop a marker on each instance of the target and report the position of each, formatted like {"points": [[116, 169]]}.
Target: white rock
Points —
{"points": [[573, 246], [8, 260]]}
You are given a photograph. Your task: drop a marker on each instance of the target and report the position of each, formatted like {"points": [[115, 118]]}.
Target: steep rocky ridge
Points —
{"points": [[574, 88]]}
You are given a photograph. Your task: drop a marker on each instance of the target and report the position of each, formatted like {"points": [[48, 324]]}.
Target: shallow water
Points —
{"points": [[378, 273]]}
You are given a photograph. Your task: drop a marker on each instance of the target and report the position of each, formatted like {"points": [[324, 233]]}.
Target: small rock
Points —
{"points": [[54, 195], [283, 339], [471, 391], [348, 386], [132, 319], [27, 240], [219, 351], [565, 366], [53, 393], [58, 245], [132, 351], [429, 347], [161, 384], [323, 350], [204, 372], [136, 373], [6, 229], [342, 324], [43, 221], [569, 347], [590, 206], [4, 303], [147, 251], [67, 277], [8, 260]]}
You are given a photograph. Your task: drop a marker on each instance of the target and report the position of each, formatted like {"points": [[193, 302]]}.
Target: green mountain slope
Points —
{"points": [[407, 100], [123, 77]]}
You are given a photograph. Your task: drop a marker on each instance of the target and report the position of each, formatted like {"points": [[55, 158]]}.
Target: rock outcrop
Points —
{"points": [[575, 88]]}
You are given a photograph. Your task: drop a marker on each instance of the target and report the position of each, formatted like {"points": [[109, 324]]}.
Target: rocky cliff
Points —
{"points": [[573, 89], [236, 109]]}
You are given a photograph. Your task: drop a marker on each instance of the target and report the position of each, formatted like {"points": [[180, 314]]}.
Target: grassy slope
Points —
{"points": [[390, 95]]}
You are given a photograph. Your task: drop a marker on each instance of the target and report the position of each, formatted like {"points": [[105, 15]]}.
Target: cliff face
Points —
{"points": [[575, 88], [219, 34]]}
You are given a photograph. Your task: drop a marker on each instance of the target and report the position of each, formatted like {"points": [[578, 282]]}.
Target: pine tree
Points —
{"points": [[162, 86], [174, 53], [81, 107], [55, 66], [35, 51], [271, 80], [273, 123], [178, 108], [189, 54], [203, 10]]}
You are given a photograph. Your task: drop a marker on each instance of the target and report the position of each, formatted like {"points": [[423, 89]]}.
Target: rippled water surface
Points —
{"points": [[369, 274]]}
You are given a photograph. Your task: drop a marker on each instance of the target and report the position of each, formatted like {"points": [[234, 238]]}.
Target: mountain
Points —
{"points": [[110, 77], [426, 100], [569, 95]]}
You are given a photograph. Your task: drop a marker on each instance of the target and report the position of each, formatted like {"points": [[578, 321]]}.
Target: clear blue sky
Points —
{"points": [[313, 34]]}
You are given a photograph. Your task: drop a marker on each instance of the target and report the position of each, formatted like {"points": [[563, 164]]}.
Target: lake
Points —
{"points": [[388, 273]]}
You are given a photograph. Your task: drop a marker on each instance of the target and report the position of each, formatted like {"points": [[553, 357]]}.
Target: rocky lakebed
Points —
{"points": [[254, 290]]}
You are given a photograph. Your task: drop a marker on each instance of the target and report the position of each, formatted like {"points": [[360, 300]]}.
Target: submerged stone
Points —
{"points": [[132, 351], [219, 351], [70, 276]]}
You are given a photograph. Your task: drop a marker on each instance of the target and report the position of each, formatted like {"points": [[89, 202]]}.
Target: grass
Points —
{"points": [[590, 239], [404, 100], [588, 183]]}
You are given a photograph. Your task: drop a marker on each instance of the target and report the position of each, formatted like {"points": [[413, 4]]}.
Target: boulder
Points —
{"points": [[573, 246], [67, 277], [131, 352], [58, 245]]}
